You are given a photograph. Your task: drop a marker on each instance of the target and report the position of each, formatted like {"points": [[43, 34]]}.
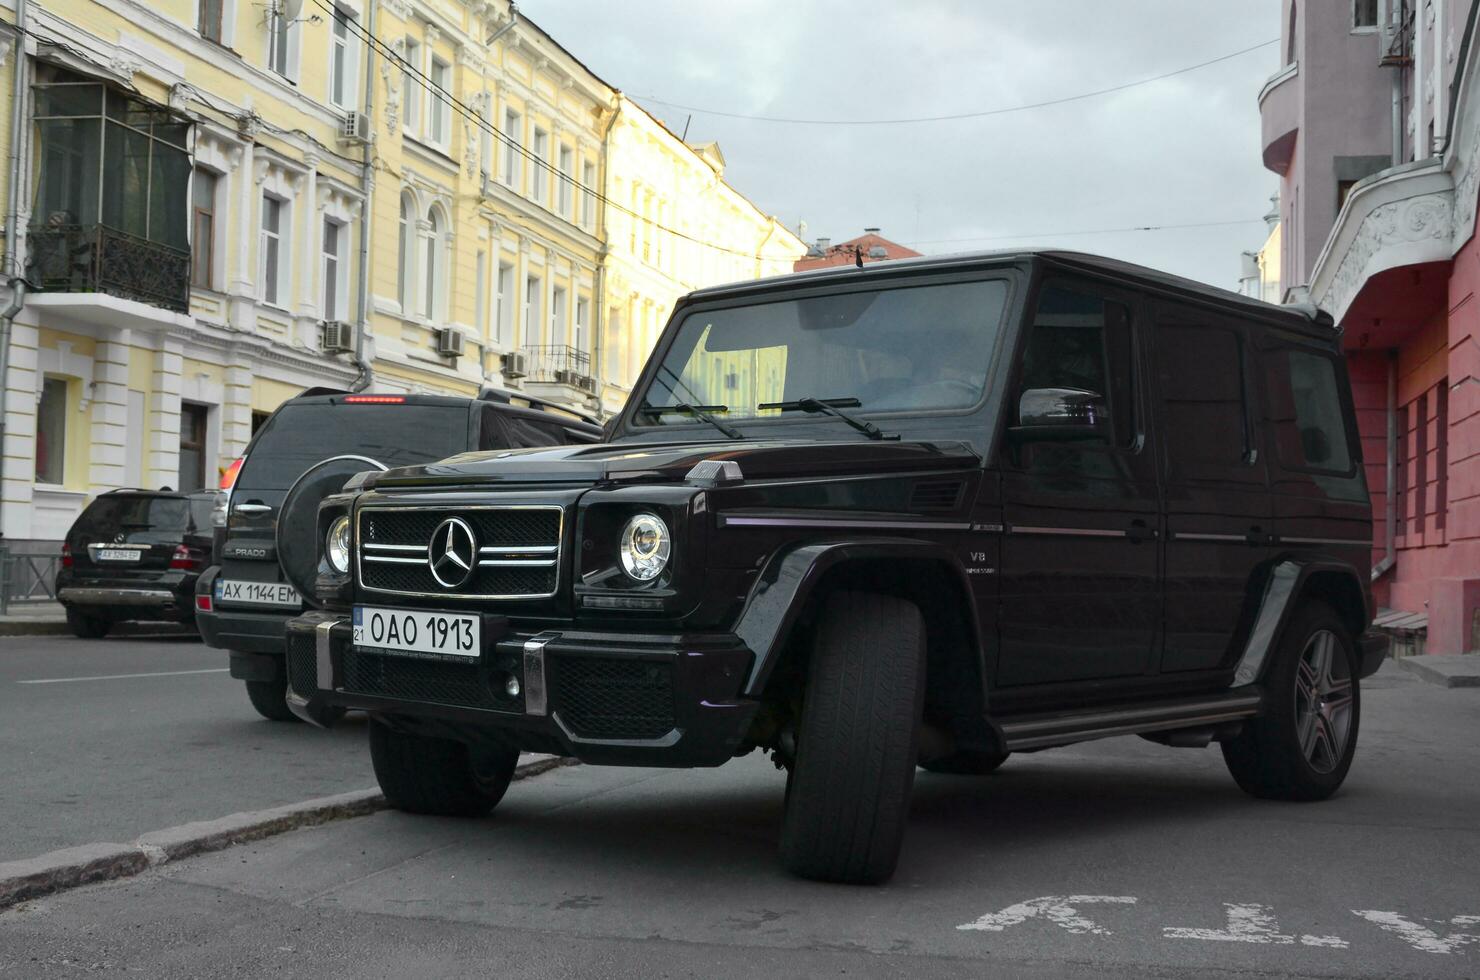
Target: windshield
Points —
{"points": [[884, 350]]}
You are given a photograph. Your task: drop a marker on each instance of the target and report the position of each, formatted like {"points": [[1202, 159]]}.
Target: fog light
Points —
{"points": [[511, 687]]}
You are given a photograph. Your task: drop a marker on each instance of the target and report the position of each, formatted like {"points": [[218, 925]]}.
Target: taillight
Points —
{"points": [[203, 603], [66, 556], [374, 399], [185, 559], [228, 476]]}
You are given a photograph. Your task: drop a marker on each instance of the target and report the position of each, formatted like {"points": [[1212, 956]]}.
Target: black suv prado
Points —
{"points": [[134, 555], [927, 512], [306, 450]]}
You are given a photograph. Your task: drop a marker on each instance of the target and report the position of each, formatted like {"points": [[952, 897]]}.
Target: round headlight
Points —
{"points": [[336, 545], [645, 546]]}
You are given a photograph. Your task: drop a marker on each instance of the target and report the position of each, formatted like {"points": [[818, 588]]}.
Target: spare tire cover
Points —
{"points": [[297, 527]]}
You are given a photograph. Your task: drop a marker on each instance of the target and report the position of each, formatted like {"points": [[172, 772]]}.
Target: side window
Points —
{"points": [[1200, 371], [1081, 340], [1305, 412]]}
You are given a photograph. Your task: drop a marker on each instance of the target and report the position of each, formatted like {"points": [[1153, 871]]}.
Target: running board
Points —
{"points": [[1062, 728]]}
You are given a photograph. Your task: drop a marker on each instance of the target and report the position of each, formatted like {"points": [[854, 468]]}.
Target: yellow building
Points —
{"points": [[223, 202]]}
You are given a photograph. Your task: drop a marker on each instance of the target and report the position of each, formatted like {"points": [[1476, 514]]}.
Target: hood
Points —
{"points": [[633, 462]]}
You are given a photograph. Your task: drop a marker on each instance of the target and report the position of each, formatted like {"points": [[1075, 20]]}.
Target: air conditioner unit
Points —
{"points": [[565, 376], [586, 383], [450, 342], [355, 128], [337, 337], [515, 365]]}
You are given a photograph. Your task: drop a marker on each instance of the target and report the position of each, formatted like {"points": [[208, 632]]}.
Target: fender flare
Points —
{"points": [[788, 580], [1283, 586]]}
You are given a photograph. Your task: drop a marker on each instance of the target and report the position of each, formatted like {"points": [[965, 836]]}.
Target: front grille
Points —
{"points": [[610, 698], [430, 681], [303, 669], [519, 551]]}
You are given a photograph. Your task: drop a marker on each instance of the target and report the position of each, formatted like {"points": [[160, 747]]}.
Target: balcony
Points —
{"points": [[560, 365], [98, 259], [1279, 117]]}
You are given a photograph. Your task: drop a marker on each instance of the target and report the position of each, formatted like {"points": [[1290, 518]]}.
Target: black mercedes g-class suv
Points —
{"points": [[930, 512], [306, 450]]}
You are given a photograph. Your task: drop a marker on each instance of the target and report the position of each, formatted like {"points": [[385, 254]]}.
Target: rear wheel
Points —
{"points": [[966, 762], [270, 698], [421, 774], [848, 792], [87, 626], [1301, 747]]}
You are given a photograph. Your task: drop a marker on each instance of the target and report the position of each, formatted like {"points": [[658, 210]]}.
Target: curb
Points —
{"points": [[88, 864], [1452, 670], [56, 627], [41, 627]]}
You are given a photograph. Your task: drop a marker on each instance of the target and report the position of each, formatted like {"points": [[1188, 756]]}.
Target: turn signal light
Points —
{"points": [[228, 476], [184, 559], [66, 556]]}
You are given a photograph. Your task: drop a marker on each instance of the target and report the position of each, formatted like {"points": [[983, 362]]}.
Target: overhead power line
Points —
{"points": [[958, 115], [1085, 231]]}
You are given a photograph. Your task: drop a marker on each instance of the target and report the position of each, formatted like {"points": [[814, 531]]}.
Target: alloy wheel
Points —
{"points": [[1323, 701]]}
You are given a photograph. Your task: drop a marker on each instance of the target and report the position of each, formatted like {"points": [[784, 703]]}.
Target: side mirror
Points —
{"points": [[1061, 415]]}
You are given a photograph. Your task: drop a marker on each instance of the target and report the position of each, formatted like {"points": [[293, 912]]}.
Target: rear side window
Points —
{"points": [[133, 512], [298, 436], [1305, 412], [1200, 371]]}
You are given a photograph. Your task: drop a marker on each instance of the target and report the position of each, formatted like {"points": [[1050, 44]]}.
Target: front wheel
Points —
{"points": [[421, 774], [848, 792], [85, 626], [1302, 745]]}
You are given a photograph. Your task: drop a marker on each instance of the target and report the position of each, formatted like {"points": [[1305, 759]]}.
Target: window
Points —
{"points": [[532, 310], [1081, 340], [273, 249], [192, 474], [282, 37], [540, 177], [407, 233], [1305, 405], [588, 195], [1290, 34], [513, 159], [480, 293], [441, 77], [434, 273], [583, 313], [557, 315], [333, 269], [411, 87], [505, 303], [565, 195], [1201, 375], [203, 229], [51, 432], [1364, 14], [343, 74], [212, 13]]}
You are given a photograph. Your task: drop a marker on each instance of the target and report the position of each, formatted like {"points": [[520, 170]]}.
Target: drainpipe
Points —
{"points": [[1390, 533], [599, 321], [11, 270], [367, 181]]}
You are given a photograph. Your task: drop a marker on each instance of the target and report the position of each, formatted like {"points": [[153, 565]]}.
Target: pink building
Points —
{"points": [[1373, 125]]}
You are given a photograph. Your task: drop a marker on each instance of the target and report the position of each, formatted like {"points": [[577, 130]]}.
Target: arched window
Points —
{"points": [[1290, 40], [406, 237], [434, 272]]}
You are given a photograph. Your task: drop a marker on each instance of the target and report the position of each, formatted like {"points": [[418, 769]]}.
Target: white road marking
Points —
{"points": [[1058, 909], [1422, 937], [119, 677], [1251, 923]]}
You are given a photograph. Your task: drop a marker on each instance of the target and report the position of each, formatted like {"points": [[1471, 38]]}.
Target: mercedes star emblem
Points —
{"points": [[452, 553]]}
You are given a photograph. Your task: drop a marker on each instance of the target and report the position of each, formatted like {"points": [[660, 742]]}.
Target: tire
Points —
{"points": [[270, 699], [966, 762], [438, 776], [1315, 659], [87, 627], [848, 791]]}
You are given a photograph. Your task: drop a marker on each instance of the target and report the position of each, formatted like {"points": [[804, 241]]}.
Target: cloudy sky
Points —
{"points": [[1182, 150]]}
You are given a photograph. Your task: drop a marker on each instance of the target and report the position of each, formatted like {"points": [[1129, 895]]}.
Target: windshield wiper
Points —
{"points": [[833, 407], [700, 412]]}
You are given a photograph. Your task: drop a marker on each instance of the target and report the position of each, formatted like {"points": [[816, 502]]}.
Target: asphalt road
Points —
{"points": [[1119, 858], [103, 740]]}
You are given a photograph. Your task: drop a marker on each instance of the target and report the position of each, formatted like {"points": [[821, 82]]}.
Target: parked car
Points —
{"points": [[134, 555], [932, 512], [307, 449]]}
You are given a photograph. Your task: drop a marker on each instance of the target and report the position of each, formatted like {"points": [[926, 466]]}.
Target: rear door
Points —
{"points": [[128, 535]]}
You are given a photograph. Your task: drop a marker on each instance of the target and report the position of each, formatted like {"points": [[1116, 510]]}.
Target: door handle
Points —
{"points": [[252, 508], [1140, 531]]}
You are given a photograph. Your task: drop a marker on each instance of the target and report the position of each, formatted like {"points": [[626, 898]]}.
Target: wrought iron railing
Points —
{"points": [[99, 259], [559, 364], [27, 576]]}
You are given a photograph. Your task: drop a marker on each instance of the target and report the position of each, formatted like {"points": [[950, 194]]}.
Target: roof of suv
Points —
{"points": [[1296, 316], [513, 401]]}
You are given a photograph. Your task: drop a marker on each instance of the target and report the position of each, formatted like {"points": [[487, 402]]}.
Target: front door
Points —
{"points": [[1080, 589]]}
